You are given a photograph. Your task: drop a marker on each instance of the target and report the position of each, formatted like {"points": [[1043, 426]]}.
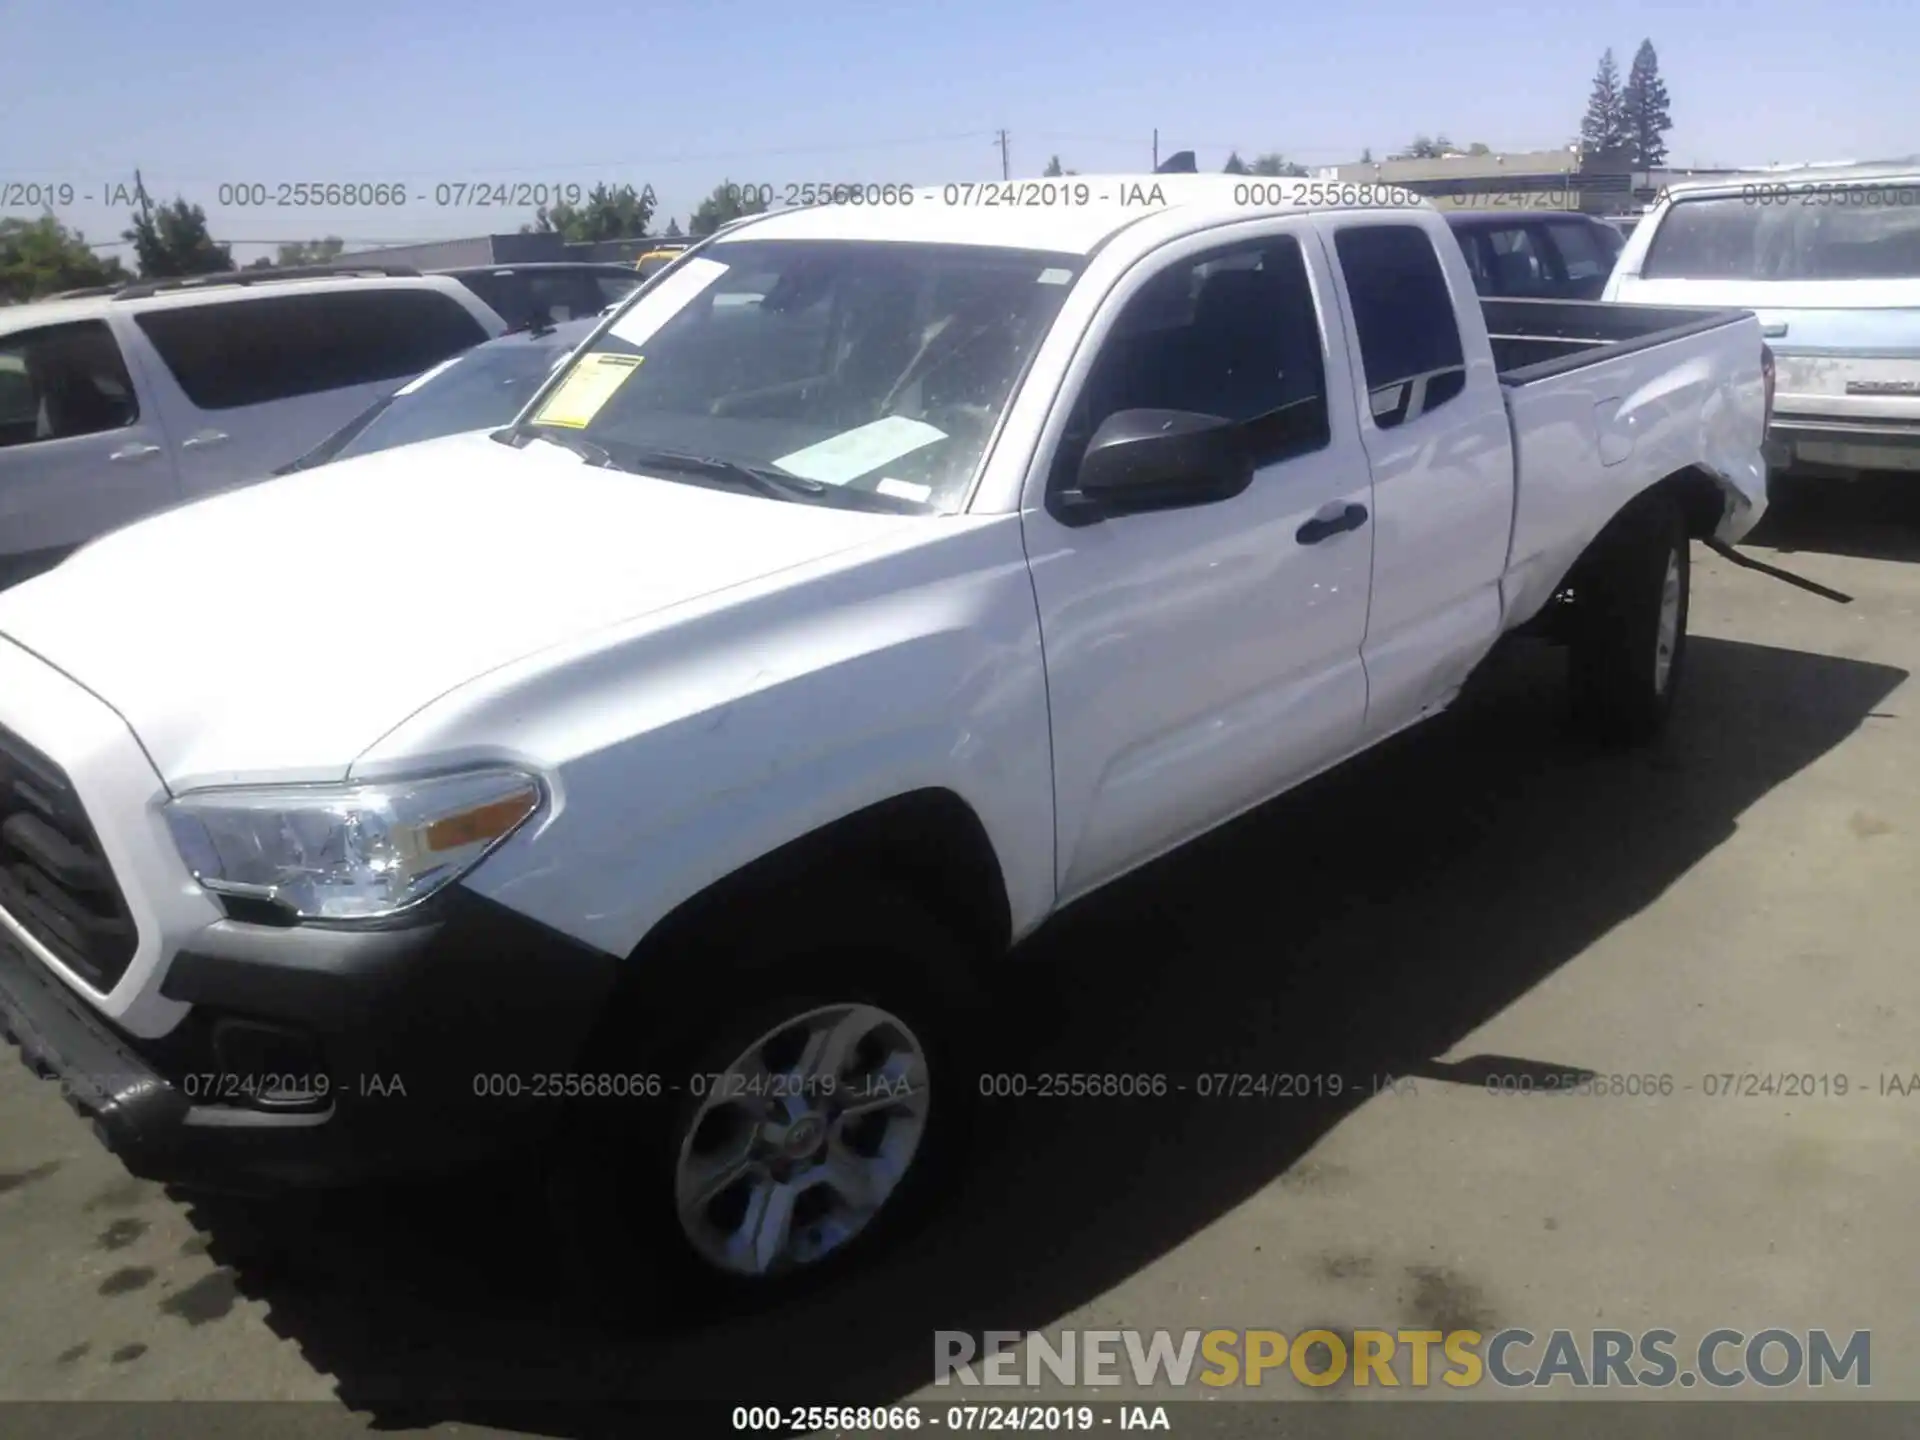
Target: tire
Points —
{"points": [[1629, 624], [630, 1254]]}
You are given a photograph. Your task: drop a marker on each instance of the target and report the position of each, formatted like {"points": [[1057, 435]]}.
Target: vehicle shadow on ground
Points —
{"points": [[1364, 924], [1876, 517]]}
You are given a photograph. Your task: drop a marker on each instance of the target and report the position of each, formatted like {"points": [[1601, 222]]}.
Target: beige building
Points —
{"points": [[1534, 180]]}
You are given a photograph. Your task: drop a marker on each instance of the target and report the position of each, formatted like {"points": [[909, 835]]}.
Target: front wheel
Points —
{"points": [[815, 1092], [1629, 634]]}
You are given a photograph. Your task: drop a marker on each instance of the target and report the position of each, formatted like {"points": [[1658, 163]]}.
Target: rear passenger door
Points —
{"points": [[246, 384], [80, 451], [1434, 424]]}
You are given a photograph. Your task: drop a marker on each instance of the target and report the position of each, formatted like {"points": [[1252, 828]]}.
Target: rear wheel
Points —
{"points": [[812, 1095], [1629, 624]]}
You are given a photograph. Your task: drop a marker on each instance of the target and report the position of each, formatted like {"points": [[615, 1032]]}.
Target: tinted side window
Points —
{"points": [[1583, 253], [1234, 334], [1520, 263], [275, 347], [1473, 245], [616, 287], [63, 380], [504, 294], [557, 296], [1404, 319]]}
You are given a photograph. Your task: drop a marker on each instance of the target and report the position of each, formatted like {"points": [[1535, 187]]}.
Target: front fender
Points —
{"points": [[687, 748]]}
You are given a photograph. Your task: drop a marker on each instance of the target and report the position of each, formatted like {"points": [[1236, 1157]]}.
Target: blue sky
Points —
{"points": [[200, 92]]}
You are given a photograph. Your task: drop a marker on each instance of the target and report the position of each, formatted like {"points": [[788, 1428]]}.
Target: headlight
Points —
{"points": [[348, 852]]}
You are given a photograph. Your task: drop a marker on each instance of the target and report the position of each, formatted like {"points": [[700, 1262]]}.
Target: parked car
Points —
{"points": [[548, 292], [478, 389], [660, 256], [1536, 254], [116, 405], [1830, 261], [685, 752]]}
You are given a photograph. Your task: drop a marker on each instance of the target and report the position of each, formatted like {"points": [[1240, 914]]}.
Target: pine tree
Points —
{"points": [[1235, 165], [1643, 104], [1053, 167], [1603, 133]]}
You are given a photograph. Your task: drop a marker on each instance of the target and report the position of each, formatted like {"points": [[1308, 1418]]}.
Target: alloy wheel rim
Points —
{"points": [[800, 1143]]}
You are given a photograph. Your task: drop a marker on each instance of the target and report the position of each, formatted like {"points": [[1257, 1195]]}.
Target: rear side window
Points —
{"points": [[276, 347], [615, 288], [60, 381], [503, 292], [1816, 232], [1517, 264], [1404, 319], [1584, 252]]}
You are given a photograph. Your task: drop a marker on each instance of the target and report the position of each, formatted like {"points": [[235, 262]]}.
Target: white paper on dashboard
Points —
{"points": [[850, 455], [666, 300]]}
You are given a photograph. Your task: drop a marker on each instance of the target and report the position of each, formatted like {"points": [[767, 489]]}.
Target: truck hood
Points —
{"points": [[281, 629]]}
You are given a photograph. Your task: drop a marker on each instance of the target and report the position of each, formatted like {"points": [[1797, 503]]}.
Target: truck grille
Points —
{"points": [[54, 878]]}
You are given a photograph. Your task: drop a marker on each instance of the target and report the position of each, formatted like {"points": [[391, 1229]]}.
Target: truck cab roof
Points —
{"points": [[1071, 215]]}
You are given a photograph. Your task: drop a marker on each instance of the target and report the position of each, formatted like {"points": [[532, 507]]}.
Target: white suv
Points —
{"points": [[115, 405]]}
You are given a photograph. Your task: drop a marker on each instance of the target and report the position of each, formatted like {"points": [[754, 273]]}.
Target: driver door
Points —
{"points": [[1199, 660]]}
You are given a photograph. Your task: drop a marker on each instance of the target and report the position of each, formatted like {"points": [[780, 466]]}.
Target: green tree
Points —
{"points": [[673, 230], [607, 213], [1366, 155], [311, 252], [1053, 168], [43, 257], [172, 240], [727, 203], [1235, 165], [1603, 130], [1476, 148], [1274, 163], [1643, 110], [1425, 147]]}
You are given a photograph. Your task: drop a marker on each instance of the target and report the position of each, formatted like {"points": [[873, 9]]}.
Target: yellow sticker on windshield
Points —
{"points": [[586, 390]]}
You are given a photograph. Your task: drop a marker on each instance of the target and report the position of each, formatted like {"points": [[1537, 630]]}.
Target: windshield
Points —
{"points": [[478, 389], [1826, 232], [873, 372]]}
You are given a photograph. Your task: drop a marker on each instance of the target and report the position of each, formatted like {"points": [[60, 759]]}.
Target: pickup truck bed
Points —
{"points": [[1536, 340]]}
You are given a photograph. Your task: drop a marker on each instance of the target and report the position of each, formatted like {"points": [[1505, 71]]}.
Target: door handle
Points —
{"points": [[203, 439], [136, 451], [1322, 527]]}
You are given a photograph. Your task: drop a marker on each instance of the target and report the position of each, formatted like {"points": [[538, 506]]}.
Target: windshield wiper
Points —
{"points": [[518, 436], [767, 482]]}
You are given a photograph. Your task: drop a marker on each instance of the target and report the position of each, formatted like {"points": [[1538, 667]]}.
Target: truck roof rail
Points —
{"points": [[345, 270]]}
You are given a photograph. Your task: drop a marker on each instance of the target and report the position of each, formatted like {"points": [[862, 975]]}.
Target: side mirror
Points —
{"points": [[1157, 460]]}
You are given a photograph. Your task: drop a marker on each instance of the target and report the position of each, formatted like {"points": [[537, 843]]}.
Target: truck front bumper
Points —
{"points": [[316, 1058]]}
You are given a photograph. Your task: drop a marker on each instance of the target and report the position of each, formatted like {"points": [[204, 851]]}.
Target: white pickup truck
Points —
{"points": [[650, 778]]}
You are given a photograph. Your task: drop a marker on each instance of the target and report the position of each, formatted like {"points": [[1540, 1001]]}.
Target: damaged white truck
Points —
{"points": [[646, 780]]}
